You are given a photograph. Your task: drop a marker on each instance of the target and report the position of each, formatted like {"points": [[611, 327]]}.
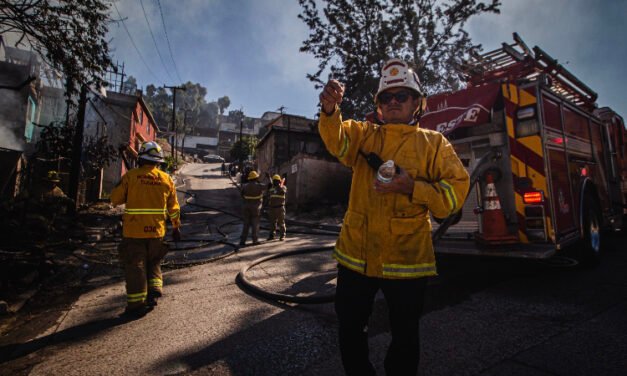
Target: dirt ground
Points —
{"points": [[38, 281]]}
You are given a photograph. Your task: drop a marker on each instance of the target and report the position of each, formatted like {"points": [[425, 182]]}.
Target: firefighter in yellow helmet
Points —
{"points": [[385, 241], [150, 198], [53, 200], [252, 194], [42, 205], [276, 207]]}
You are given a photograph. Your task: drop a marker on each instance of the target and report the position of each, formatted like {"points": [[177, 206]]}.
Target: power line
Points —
{"points": [[141, 2], [168, 40], [133, 42]]}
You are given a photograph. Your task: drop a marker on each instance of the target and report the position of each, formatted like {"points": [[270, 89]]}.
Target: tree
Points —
{"points": [[243, 148], [130, 85], [352, 38], [69, 35], [236, 115], [56, 142], [159, 102], [192, 101], [209, 114], [99, 153], [191, 106], [224, 103]]}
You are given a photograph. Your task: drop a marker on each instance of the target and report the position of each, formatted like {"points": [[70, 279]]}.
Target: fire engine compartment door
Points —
{"points": [[614, 176], [556, 139]]}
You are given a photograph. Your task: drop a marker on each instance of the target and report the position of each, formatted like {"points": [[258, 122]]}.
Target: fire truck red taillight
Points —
{"points": [[535, 197]]}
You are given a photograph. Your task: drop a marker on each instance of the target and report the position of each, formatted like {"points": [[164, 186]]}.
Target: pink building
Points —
{"points": [[127, 121]]}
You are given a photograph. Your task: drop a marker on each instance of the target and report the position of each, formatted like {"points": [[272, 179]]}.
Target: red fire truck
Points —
{"points": [[529, 130]]}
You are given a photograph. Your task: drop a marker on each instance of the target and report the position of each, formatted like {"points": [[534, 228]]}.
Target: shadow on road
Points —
{"points": [[67, 336], [259, 348]]}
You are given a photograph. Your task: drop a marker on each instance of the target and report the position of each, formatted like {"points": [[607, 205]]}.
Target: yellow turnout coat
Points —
{"points": [[388, 235], [150, 197]]}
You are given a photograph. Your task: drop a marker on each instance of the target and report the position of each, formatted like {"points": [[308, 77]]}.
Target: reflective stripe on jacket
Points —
{"points": [[389, 235], [252, 192], [276, 195], [150, 197]]}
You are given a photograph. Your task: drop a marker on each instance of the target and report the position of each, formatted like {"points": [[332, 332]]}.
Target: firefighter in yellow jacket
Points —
{"points": [[252, 194], [385, 241], [150, 198], [276, 207]]}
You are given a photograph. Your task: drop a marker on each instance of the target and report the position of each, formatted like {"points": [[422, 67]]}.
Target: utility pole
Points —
{"points": [[77, 150], [174, 137], [68, 104], [241, 142], [289, 148], [289, 152]]}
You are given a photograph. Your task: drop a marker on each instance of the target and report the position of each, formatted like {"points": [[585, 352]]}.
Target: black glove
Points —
{"points": [[374, 161], [176, 235]]}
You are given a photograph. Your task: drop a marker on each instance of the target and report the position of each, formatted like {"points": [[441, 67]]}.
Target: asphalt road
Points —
{"points": [[483, 316]]}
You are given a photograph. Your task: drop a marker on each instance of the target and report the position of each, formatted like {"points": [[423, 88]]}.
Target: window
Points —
{"points": [[576, 124], [552, 116], [30, 119]]}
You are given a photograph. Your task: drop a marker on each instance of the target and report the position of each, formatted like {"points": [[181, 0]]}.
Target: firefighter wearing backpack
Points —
{"points": [[276, 207], [150, 198], [385, 241]]}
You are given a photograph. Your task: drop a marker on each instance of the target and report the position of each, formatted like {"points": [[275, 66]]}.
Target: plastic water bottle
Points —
{"points": [[386, 172]]}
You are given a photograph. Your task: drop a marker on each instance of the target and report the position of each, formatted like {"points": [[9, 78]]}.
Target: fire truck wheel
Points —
{"points": [[590, 245]]}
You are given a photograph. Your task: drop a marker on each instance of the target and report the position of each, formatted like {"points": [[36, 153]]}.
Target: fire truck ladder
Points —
{"points": [[518, 63]]}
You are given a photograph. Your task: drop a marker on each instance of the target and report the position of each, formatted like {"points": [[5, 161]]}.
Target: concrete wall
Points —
{"points": [[295, 122], [14, 106], [265, 154], [273, 150], [312, 181], [193, 141]]}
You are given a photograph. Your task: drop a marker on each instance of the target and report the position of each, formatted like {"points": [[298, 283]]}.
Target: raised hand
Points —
{"points": [[331, 95]]}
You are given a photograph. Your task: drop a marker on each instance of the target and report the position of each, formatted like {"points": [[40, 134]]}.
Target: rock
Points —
{"points": [[4, 307]]}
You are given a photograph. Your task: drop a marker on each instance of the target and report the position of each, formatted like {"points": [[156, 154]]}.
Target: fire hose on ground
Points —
{"points": [[321, 230]]}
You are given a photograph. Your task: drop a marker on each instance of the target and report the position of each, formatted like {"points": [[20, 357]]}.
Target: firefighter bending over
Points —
{"points": [[150, 197], [43, 208], [276, 207], [385, 241], [252, 193]]}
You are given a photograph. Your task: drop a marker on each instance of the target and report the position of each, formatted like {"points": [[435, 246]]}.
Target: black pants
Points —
{"points": [[353, 304]]}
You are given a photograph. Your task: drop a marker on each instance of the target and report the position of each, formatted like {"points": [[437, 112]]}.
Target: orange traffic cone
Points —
{"points": [[494, 228]]}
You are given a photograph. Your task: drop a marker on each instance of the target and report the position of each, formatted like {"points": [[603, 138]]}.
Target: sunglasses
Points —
{"points": [[401, 97]]}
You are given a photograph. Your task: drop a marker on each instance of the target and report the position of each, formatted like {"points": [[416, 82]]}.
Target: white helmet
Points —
{"points": [[397, 73], [151, 151]]}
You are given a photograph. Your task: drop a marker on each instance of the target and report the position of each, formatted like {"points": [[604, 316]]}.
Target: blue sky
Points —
{"points": [[249, 50]]}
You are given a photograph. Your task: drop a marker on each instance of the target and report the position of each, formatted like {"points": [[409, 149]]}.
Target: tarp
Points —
{"points": [[464, 108]]}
